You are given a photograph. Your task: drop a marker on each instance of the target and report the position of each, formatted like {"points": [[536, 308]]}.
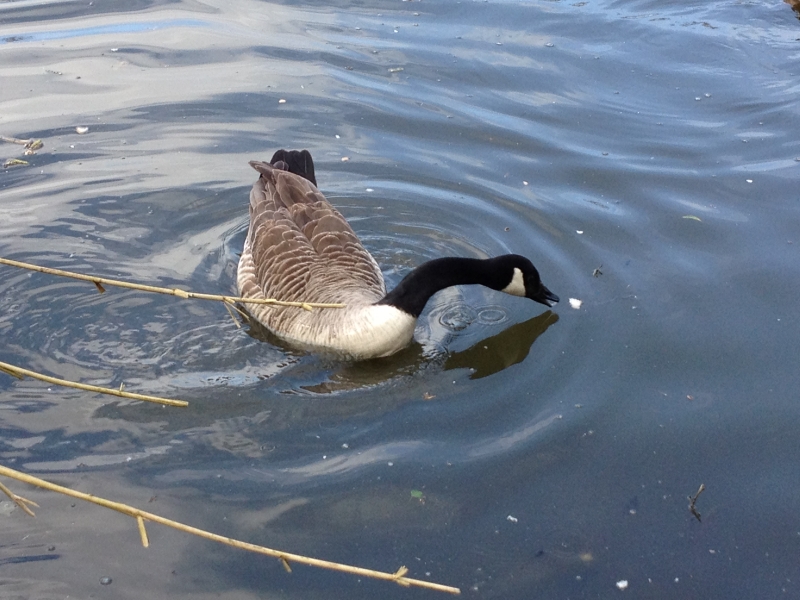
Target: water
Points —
{"points": [[512, 451]]}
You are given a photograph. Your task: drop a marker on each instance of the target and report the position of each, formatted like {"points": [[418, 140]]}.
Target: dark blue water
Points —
{"points": [[644, 155]]}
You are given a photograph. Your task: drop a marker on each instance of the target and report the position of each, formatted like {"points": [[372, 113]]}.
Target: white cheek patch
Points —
{"points": [[517, 285]]}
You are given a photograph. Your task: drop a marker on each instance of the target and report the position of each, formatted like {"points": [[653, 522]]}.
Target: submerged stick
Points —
{"points": [[100, 281], [20, 373], [284, 557]]}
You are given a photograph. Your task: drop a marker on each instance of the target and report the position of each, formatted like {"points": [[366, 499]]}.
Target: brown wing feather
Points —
{"points": [[300, 248]]}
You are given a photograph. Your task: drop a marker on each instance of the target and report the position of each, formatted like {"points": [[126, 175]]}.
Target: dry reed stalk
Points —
{"points": [[100, 281], [19, 373], [19, 500], [284, 557]]}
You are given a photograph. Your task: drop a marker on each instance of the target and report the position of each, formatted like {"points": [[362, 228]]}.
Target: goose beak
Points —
{"points": [[544, 296]]}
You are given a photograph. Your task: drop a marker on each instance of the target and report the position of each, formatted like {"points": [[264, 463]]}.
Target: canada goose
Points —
{"points": [[300, 248]]}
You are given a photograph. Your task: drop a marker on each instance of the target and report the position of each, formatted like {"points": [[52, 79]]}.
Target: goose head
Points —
{"points": [[522, 279]]}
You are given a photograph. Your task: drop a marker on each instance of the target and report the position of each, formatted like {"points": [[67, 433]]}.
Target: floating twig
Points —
{"points": [[20, 373], [100, 281], [31, 145], [19, 500], [693, 499], [284, 557]]}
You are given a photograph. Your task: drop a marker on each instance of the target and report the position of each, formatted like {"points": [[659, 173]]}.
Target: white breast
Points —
{"points": [[357, 332]]}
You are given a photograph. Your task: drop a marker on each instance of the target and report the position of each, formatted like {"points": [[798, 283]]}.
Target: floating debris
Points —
{"points": [[395, 69], [15, 162], [81, 130], [31, 145], [282, 101], [575, 303], [693, 500], [622, 584], [693, 218], [597, 272], [512, 519]]}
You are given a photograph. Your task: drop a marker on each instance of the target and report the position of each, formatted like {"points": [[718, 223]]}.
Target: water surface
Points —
{"points": [[643, 154]]}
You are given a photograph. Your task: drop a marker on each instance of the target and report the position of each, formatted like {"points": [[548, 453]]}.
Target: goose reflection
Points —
{"points": [[498, 352], [486, 357]]}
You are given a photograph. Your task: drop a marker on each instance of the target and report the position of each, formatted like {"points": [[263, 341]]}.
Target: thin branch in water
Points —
{"points": [[142, 531], [19, 500], [99, 281], [20, 373], [229, 307], [693, 500], [398, 576]]}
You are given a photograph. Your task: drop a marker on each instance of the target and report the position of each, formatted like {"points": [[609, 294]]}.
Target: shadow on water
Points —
{"points": [[483, 358]]}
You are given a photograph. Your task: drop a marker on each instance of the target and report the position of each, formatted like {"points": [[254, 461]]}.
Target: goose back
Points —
{"points": [[300, 248]]}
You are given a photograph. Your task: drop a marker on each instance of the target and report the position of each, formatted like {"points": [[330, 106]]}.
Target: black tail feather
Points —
{"points": [[298, 162]]}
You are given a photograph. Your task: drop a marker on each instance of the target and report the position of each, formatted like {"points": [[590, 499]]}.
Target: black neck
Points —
{"points": [[412, 294]]}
